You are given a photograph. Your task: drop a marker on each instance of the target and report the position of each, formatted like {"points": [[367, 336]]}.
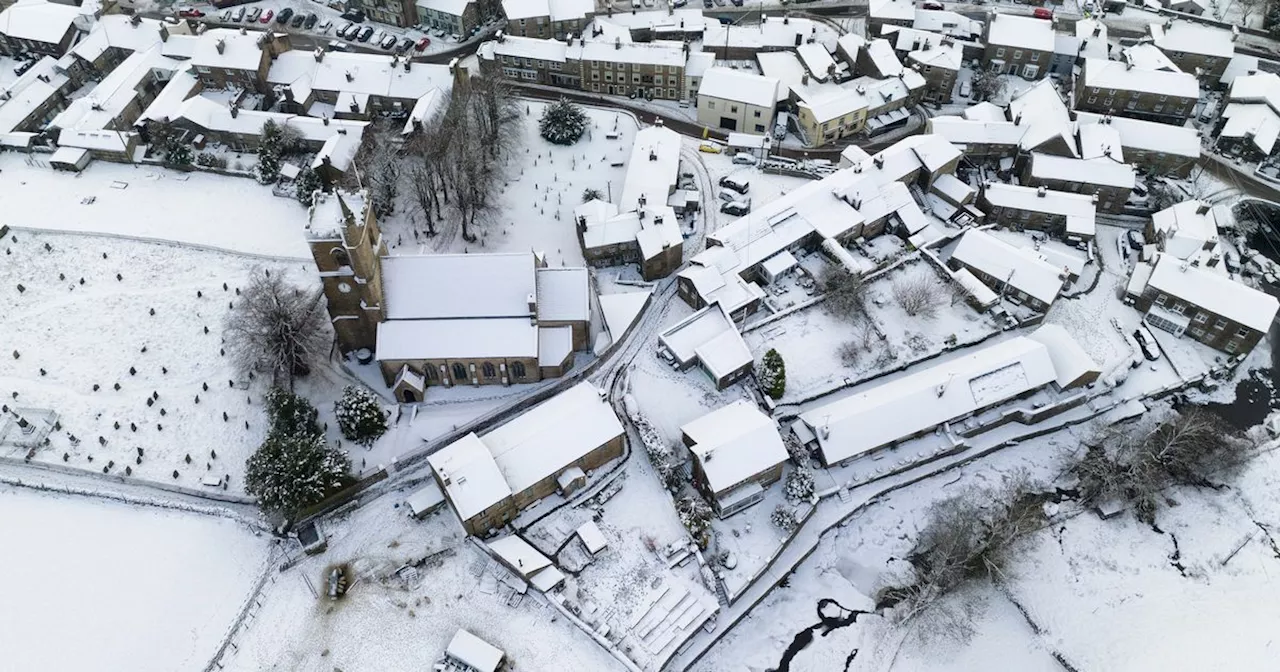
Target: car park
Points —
{"points": [[266, 16], [254, 14], [736, 208], [423, 44], [737, 184]]}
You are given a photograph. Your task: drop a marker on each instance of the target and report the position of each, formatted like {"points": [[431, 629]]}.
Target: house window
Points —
{"points": [[1202, 317], [1131, 105], [1242, 332], [595, 76], [1161, 300], [671, 93], [755, 113], [1157, 108], [1164, 98], [1035, 56], [1107, 102], [1111, 92], [1017, 54], [1197, 332], [711, 104], [733, 109], [459, 372], [595, 87], [635, 78], [430, 374], [608, 66], [1092, 99], [489, 370], [1000, 52], [1232, 347], [517, 369], [1220, 324]]}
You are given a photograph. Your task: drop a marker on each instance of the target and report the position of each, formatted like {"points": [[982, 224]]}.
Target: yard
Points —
{"points": [[95, 585]]}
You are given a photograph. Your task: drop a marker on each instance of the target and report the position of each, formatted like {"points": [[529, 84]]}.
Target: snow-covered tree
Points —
{"points": [[304, 188], [291, 414], [289, 473], [799, 485], [591, 194], [562, 123], [178, 153], [784, 518], [695, 514], [360, 416], [773, 374], [269, 151], [277, 328]]}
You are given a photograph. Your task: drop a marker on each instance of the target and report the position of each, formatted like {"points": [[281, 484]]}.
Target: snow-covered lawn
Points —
{"points": [[810, 339], [95, 585], [544, 183], [390, 622], [751, 537], [199, 209], [71, 337]]}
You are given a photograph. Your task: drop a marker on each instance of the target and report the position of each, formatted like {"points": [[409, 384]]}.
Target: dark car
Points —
{"points": [[931, 5], [353, 15], [405, 45], [23, 67], [1148, 348], [1135, 240], [737, 184], [298, 20], [366, 34], [190, 13], [310, 22], [284, 16], [735, 208]]}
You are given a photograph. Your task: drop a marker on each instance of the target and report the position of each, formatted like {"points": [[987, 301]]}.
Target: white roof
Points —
{"points": [[1116, 75], [117, 91], [964, 132], [117, 30], [747, 140], [1193, 38], [463, 338], [592, 537], [780, 263], [892, 9], [1150, 136], [1217, 293], [470, 476], [425, 498], [424, 286], [685, 337], [239, 52], [653, 169], [1099, 141], [698, 64], [525, 9], [563, 294], [734, 443], [1091, 45], [552, 435], [1021, 269], [30, 92], [952, 187], [688, 20], [772, 33], [554, 345], [474, 652], [946, 22], [881, 54], [1102, 171], [1148, 56], [743, 87], [1070, 361], [38, 20], [1020, 32], [657, 52], [1263, 87], [1029, 198], [1186, 230], [1241, 65], [520, 555], [982, 295], [724, 353], [529, 47], [817, 60], [454, 7], [927, 397], [167, 103], [1258, 123], [376, 75], [620, 310]]}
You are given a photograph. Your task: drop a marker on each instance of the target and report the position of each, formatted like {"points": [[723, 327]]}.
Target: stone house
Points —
{"points": [[1040, 209], [737, 101], [1198, 49], [38, 27], [549, 19], [1018, 45], [1111, 181], [455, 17], [1184, 299], [1116, 88], [737, 453]]}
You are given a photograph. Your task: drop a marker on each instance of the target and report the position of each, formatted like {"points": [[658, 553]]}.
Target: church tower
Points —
{"points": [[347, 247]]}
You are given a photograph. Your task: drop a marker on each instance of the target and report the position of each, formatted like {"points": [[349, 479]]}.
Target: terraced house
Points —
{"points": [[1113, 87]]}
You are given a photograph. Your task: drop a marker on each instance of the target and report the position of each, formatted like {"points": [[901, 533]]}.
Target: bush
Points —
{"points": [[695, 514], [291, 414], [211, 160], [289, 473], [919, 295], [590, 194], [844, 293], [784, 518], [305, 187], [562, 123], [360, 416], [799, 485], [773, 374]]}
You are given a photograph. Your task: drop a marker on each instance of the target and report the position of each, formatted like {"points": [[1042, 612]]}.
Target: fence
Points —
{"points": [[213, 495], [250, 601]]}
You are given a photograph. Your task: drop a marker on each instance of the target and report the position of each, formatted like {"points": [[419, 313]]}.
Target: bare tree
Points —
{"points": [[919, 295], [845, 292], [377, 167], [1188, 449], [987, 85], [278, 328], [850, 352]]}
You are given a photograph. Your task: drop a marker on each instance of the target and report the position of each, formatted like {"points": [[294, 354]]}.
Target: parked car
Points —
{"points": [[284, 15], [266, 16], [737, 184], [423, 44], [225, 16], [708, 148], [379, 36], [1135, 240], [189, 13], [736, 208], [254, 14], [1043, 13], [966, 89], [335, 45], [932, 5], [343, 29], [353, 15], [744, 159], [388, 42], [1147, 343], [23, 67], [366, 33], [323, 26], [298, 21], [405, 45], [707, 4], [729, 195], [239, 15], [679, 3]]}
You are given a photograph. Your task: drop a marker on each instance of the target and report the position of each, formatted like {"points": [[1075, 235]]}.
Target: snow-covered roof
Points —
{"points": [[470, 476], [165, 106], [529, 47], [1093, 38], [928, 397], [931, 49], [1070, 361], [1116, 75], [740, 140], [1103, 171], [474, 652], [1240, 65], [120, 89], [425, 498], [724, 353], [1150, 136], [563, 294], [1258, 123], [424, 109], [1030, 198], [1214, 292], [119, 31], [952, 187], [592, 537], [554, 345], [515, 10], [659, 231], [903, 10], [653, 169], [216, 116], [981, 294], [1100, 141], [461, 338], [1263, 87], [685, 337], [569, 10], [816, 59], [227, 48], [29, 92], [687, 20], [379, 75], [1187, 228], [494, 285], [699, 63], [774, 32], [882, 57], [520, 555], [552, 435], [743, 87], [1148, 56], [454, 7], [1020, 32], [946, 22], [657, 52], [1193, 38], [734, 443], [620, 310], [38, 20], [1021, 269], [780, 263], [965, 132]]}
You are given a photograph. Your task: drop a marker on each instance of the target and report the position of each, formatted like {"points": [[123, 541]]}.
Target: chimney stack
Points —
{"points": [[220, 45], [1042, 191], [617, 43], [318, 54], [349, 76], [235, 111], [1202, 208]]}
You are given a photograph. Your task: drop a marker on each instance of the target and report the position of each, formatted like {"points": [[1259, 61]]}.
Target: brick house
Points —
{"points": [[1108, 179], [1194, 47], [38, 27], [1018, 45], [554, 19], [1184, 299], [1039, 208], [1112, 87], [737, 453]]}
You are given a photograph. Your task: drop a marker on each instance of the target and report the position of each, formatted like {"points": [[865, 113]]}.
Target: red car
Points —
{"points": [[1043, 13], [423, 43], [266, 16], [190, 14]]}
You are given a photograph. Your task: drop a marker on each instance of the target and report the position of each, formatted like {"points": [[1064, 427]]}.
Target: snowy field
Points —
{"points": [[390, 621], [102, 586], [198, 209], [810, 339], [71, 337], [544, 183]]}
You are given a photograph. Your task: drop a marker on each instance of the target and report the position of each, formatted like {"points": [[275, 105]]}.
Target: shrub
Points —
{"points": [[211, 160], [784, 518], [773, 374], [919, 295], [844, 293], [799, 485], [360, 416], [289, 473]]}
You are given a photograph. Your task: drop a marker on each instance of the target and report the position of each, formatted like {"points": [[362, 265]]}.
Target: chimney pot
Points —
{"points": [[1042, 191]]}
